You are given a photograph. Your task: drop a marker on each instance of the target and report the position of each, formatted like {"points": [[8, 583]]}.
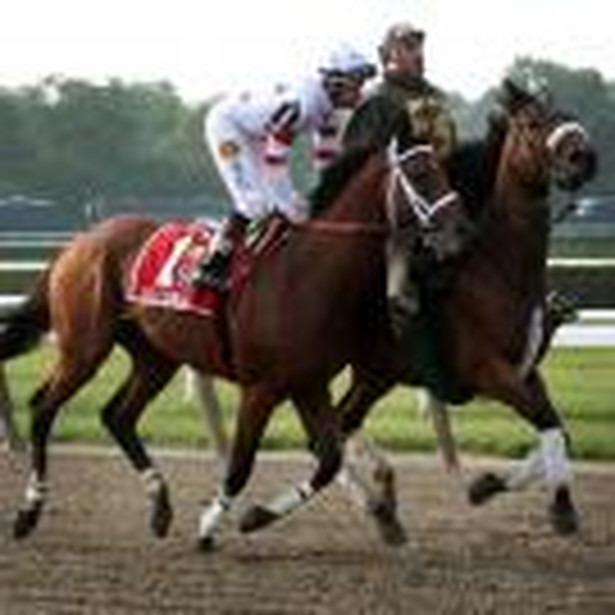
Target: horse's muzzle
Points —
{"points": [[577, 169]]}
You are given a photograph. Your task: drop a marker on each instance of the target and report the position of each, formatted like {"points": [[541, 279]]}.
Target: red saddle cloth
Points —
{"points": [[162, 272]]}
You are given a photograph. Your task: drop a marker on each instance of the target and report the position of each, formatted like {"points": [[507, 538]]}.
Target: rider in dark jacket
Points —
{"points": [[402, 89]]}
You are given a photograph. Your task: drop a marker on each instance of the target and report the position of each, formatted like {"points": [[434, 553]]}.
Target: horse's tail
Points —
{"points": [[24, 326]]}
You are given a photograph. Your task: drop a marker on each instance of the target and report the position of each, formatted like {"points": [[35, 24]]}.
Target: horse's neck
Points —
{"points": [[364, 200], [516, 231]]}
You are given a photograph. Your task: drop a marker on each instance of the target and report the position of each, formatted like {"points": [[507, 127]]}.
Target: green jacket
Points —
{"points": [[375, 119]]}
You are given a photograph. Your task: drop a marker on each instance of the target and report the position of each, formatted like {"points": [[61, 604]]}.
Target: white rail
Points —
{"points": [[594, 329], [20, 266], [581, 263]]}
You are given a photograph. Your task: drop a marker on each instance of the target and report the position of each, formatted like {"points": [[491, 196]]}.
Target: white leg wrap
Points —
{"points": [[348, 478], [211, 517], [152, 481], [290, 500], [527, 471], [36, 490], [554, 457]]}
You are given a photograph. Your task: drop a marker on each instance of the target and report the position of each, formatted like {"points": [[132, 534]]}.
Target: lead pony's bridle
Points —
{"points": [[423, 209]]}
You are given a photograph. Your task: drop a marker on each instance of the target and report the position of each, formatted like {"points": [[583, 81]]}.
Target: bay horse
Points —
{"points": [[491, 318], [304, 313]]}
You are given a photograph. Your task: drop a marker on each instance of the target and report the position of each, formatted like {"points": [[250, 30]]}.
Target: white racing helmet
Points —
{"points": [[344, 64]]}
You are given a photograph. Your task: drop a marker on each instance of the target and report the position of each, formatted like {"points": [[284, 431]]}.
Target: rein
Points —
{"points": [[343, 227]]}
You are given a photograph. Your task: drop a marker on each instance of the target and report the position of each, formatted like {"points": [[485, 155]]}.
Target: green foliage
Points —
{"points": [[74, 141], [582, 92]]}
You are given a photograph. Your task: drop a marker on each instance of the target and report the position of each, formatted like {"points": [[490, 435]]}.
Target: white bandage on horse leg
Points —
{"points": [[554, 457], [526, 472], [211, 517], [288, 501], [152, 480], [36, 490], [348, 478]]}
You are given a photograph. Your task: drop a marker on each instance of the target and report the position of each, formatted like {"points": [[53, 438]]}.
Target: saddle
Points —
{"points": [[162, 273]]}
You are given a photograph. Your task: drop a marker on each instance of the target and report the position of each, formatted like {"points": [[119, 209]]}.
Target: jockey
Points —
{"points": [[250, 136]]}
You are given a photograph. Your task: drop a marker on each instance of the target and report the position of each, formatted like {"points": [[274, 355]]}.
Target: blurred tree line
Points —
{"points": [[72, 141]]}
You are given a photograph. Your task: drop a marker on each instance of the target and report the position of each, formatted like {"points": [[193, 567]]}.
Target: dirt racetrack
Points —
{"points": [[91, 553]]}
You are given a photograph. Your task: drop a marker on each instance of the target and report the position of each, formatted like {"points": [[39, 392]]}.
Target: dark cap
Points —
{"points": [[403, 32]]}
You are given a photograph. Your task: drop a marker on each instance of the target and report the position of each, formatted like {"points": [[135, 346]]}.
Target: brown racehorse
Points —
{"points": [[490, 319], [299, 318]]}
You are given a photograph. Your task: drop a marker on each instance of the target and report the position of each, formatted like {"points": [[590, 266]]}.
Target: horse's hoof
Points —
{"points": [[161, 514], [484, 488], [206, 544], [25, 521], [390, 529], [564, 517], [256, 518]]}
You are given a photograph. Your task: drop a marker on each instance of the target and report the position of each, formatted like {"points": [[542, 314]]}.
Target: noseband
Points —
{"points": [[563, 130], [423, 209]]}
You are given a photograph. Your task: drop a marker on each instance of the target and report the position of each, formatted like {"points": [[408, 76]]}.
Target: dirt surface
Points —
{"points": [[92, 554]]}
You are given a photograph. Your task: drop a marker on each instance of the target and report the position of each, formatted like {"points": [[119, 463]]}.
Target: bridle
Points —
{"points": [[423, 209], [560, 131]]}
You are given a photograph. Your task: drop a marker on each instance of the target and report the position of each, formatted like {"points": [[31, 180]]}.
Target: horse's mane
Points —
{"points": [[335, 177], [472, 166]]}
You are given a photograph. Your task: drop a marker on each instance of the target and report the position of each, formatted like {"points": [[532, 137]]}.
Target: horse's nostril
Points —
{"points": [[576, 157]]}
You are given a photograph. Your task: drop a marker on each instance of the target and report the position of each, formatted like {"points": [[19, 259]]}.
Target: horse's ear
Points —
{"points": [[511, 96]]}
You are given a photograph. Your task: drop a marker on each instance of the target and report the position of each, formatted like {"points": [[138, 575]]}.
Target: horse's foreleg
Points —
{"points": [[376, 493], [149, 375], [548, 462], [255, 409], [321, 425]]}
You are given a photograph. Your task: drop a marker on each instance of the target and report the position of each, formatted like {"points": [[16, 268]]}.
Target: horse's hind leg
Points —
{"points": [[205, 390], [322, 427], [68, 376], [149, 375], [8, 428]]}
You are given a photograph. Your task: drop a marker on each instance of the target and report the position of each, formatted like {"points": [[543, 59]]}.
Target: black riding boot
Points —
{"points": [[213, 271]]}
